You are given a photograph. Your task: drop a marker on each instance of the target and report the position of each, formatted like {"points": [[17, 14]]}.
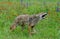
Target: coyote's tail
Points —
{"points": [[13, 26]]}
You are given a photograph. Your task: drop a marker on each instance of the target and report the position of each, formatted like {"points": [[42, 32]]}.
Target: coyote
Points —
{"points": [[30, 20]]}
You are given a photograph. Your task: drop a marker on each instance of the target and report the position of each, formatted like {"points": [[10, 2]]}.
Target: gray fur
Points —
{"points": [[27, 19], [30, 20]]}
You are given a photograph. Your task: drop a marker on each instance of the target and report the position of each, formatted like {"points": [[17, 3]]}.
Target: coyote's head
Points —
{"points": [[41, 15]]}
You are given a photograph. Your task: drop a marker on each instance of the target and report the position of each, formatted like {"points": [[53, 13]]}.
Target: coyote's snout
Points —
{"points": [[30, 20]]}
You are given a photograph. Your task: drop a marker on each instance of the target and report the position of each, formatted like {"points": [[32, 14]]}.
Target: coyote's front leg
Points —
{"points": [[33, 30], [29, 30]]}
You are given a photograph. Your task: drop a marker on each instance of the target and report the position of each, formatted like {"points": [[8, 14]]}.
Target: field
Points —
{"points": [[48, 28]]}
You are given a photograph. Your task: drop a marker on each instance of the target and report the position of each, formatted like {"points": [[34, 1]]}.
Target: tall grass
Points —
{"points": [[48, 28]]}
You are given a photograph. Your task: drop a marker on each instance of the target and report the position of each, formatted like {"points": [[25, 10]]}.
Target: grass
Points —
{"points": [[48, 28]]}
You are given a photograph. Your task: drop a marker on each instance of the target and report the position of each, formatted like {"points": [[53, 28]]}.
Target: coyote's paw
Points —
{"points": [[34, 31]]}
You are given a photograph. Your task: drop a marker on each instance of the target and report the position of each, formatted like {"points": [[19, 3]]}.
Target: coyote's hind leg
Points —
{"points": [[23, 26]]}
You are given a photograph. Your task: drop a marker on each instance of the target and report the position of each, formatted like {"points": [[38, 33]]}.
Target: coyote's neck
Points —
{"points": [[34, 19]]}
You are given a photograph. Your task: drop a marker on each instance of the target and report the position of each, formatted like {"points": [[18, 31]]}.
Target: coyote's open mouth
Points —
{"points": [[43, 16]]}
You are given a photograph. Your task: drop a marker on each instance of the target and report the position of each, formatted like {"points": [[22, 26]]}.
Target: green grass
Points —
{"points": [[48, 28]]}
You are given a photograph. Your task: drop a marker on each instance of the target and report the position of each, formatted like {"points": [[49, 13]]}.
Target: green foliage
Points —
{"points": [[48, 28]]}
